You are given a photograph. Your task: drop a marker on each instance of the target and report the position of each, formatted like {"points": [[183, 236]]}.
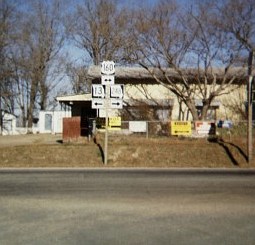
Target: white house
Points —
{"points": [[140, 85]]}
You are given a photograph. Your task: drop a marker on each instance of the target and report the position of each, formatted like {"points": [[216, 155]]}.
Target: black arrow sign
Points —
{"points": [[181, 132], [115, 103], [96, 103], [107, 80]]}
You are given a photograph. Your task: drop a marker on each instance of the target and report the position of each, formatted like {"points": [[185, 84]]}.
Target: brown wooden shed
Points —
{"points": [[82, 114]]}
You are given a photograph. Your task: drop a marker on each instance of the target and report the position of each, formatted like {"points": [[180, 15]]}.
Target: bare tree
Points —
{"points": [[99, 28], [195, 58], [7, 33], [78, 78], [238, 18], [41, 38]]}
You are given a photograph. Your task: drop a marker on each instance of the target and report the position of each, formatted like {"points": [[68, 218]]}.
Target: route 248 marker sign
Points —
{"points": [[117, 94], [117, 91]]}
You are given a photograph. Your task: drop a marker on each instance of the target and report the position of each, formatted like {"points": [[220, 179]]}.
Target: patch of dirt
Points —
{"points": [[45, 150], [28, 139]]}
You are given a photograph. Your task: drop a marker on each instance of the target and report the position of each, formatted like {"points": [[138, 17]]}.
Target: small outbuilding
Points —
{"points": [[9, 123], [81, 115]]}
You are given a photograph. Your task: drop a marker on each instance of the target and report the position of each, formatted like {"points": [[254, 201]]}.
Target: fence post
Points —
{"points": [[147, 129]]}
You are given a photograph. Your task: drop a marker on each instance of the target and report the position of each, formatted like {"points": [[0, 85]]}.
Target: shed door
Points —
{"points": [[48, 122], [86, 114]]}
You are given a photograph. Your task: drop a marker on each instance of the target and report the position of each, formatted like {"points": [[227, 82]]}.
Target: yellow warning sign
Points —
{"points": [[180, 128], [115, 122]]}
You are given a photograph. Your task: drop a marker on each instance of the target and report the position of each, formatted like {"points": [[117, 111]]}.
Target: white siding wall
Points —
{"points": [[52, 121]]}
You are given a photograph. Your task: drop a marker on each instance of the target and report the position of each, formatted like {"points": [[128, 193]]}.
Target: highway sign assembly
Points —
{"points": [[106, 96]]}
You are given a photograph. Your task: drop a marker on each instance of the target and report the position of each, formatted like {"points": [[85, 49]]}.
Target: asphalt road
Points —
{"points": [[127, 207]]}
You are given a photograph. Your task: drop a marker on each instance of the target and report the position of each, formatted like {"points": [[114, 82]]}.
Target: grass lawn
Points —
{"points": [[123, 151]]}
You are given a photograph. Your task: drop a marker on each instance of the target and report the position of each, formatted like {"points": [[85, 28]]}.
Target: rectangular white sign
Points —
{"points": [[111, 113], [98, 103], [205, 128], [107, 79], [116, 103], [138, 126]]}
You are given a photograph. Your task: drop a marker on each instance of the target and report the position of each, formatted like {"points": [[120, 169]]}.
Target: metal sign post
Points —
{"points": [[107, 78], [106, 126], [249, 104]]}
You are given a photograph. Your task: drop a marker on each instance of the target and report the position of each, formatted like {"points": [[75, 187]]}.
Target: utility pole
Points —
{"points": [[249, 105]]}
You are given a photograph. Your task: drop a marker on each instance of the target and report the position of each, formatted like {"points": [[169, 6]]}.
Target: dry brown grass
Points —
{"points": [[123, 151]]}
